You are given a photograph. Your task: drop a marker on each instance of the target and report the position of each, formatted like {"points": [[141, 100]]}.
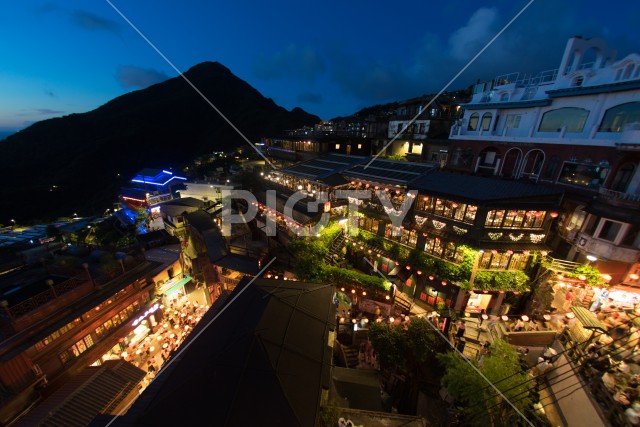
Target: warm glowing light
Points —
{"points": [[633, 276], [553, 214]]}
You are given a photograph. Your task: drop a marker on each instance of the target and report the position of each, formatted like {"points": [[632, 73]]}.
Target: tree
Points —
{"points": [[483, 406], [389, 343], [309, 259]]}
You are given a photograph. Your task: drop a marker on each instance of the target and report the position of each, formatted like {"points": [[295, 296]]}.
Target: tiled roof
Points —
{"points": [[390, 171], [479, 188], [324, 166]]}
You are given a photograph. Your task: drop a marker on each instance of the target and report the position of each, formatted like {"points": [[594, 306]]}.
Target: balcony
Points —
{"points": [[620, 199], [603, 249]]}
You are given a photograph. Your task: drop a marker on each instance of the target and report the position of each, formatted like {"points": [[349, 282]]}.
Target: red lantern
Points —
{"points": [[444, 283], [430, 277], [553, 214], [408, 267], [419, 272], [454, 205]]}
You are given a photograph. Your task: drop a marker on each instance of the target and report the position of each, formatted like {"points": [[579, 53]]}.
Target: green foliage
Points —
{"points": [[483, 405], [591, 273], [345, 277], [502, 280], [329, 416], [397, 157], [400, 348], [309, 254], [310, 266], [389, 343]]}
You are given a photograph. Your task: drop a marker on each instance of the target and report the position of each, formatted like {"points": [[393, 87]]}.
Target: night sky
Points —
{"points": [[330, 58]]}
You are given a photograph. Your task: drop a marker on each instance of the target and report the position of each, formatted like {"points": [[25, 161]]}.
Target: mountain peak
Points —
{"points": [[165, 124]]}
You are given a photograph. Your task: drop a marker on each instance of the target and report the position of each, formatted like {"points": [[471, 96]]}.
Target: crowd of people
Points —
{"points": [[150, 353]]}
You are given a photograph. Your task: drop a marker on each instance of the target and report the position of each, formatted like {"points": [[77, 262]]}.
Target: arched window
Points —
{"points": [[504, 97], [486, 121], [623, 177], [628, 70], [577, 81], [572, 118], [616, 118], [473, 122]]}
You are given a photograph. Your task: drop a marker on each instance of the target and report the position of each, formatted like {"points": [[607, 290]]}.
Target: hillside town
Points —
{"points": [[375, 270]]}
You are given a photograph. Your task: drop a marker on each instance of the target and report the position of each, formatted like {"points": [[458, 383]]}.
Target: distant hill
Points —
{"points": [[164, 125]]}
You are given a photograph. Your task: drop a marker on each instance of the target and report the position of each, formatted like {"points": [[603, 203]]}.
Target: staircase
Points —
{"points": [[403, 302], [335, 248], [351, 356]]}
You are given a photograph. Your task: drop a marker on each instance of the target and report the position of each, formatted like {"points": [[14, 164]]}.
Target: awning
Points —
{"points": [[172, 285], [587, 318]]}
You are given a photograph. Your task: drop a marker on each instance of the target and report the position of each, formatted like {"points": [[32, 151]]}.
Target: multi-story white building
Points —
{"points": [[576, 127]]}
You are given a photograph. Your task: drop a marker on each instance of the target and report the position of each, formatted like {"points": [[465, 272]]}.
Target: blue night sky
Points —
{"points": [[330, 58]]}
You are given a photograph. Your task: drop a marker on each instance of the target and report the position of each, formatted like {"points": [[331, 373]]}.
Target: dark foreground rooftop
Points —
{"points": [[264, 360]]}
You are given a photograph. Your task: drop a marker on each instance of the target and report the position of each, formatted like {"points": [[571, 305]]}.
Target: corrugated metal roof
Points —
{"points": [[96, 389], [587, 318]]}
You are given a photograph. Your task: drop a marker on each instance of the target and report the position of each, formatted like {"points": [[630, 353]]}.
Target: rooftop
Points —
{"points": [[262, 359], [391, 171], [323, 167], [477, 188], [157, 177]]}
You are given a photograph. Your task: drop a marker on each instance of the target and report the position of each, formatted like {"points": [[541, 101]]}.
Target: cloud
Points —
{"points": [[41, 112], [302, 63], [466, 41], [91, 21], [310, 98], [130, 77], [47, 111]]}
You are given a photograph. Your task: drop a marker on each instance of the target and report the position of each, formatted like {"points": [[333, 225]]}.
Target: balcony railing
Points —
{"points": [[611, 194]]}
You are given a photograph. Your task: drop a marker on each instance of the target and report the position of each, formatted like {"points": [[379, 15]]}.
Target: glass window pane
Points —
{"points": [[573, 119], [609, 230]]}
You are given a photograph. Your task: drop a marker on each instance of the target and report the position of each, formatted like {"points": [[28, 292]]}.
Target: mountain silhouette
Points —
{"points": [[88, 156]]}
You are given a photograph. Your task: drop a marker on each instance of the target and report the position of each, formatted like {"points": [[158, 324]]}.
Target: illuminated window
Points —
{"points": [[573, 119], [473, 122], [359, 146], [582, 175], [616, 118], [337, 146], [486, 121]]}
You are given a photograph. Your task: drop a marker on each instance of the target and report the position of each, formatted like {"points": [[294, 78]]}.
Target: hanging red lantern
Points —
{"points": [[426, 199], [408, 267], [454, 205], [444, 283], [430, 277], [419, 272], [553, 214]]}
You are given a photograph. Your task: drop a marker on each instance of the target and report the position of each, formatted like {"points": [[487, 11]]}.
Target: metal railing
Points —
{"points": [[619, 195]]}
